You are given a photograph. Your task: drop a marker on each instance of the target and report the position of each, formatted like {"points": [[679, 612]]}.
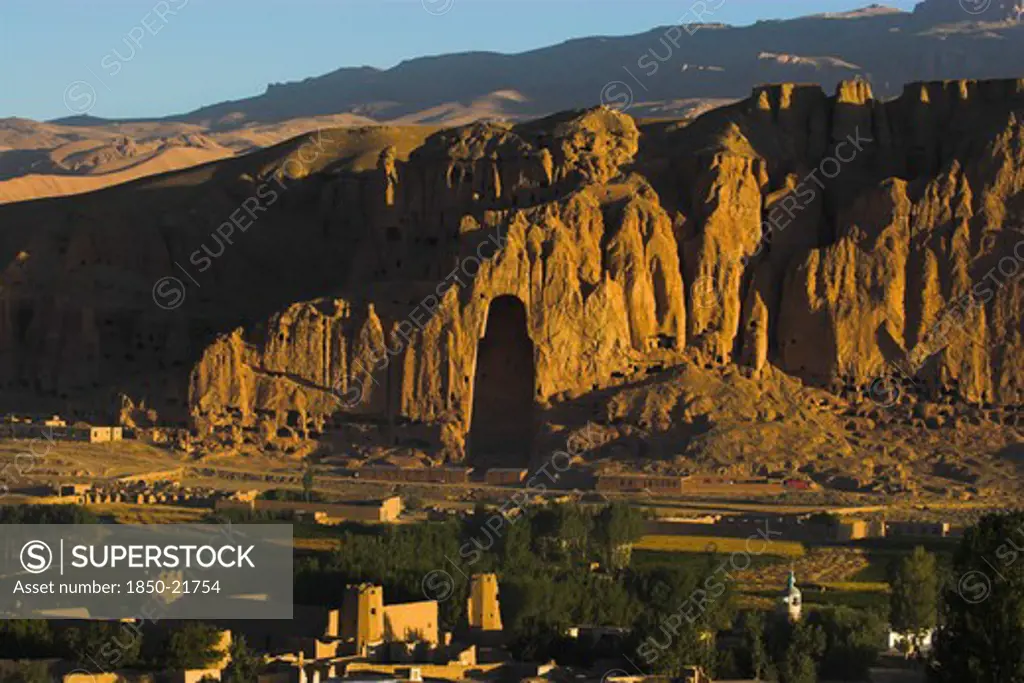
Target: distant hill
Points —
{"points": [[669, 72], [83, 153], [940, 39]]}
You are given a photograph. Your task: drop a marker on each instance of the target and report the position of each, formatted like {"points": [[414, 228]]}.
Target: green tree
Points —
{"points": [[538, 639], [982, 634], [516, 554], [308, 483], [46, 514], [530, 601], [853, 639], [760, 664], [914, 600], [806, 645], [106, 644], [245, 665], [665, 643], [683, 612], [562, 532], [193, 646], [411, 501], [618, 527], [31, 638], [398, 557], [794, 648], [28, 672]]}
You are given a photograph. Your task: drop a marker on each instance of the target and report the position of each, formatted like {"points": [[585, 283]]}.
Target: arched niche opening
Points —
{"points": [[502, 428]]}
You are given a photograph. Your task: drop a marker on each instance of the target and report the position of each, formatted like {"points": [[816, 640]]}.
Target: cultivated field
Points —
{"points": [[719, 545]]}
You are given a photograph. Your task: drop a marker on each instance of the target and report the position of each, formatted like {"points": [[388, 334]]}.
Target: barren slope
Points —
{"points": [[35, 186]]}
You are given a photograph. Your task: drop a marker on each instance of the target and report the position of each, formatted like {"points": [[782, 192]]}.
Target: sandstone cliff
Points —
{"points": [[832, 238]]}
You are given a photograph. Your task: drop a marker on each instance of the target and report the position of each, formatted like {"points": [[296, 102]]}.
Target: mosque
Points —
{"points": [[791, 602]]}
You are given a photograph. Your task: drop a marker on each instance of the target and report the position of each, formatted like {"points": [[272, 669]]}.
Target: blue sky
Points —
{"points": [[189, 53]]}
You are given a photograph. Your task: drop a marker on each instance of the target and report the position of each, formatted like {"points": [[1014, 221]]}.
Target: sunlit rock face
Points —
{"points": [[827, 236]]}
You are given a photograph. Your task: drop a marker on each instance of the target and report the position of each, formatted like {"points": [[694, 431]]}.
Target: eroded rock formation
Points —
{"points": [[829, 237]]}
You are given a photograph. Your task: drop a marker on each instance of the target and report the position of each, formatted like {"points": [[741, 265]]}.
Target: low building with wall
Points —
{"points": [[312, 632], [72, 490], [858, 529], [851, 530], [232, 504], [78, 432], [627, 482], [505, 476], [387, 510], [411, 622], [452, 671], [79, 676], [181, 676], [367, 621], [709, 485], [105, 434], [918, 529], [425, 475]]}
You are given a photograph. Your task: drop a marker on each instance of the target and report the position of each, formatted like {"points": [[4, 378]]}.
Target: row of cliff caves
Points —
{"points": [[836, 239]]}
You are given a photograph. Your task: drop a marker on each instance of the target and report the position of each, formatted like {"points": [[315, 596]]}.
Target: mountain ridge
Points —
{"points": [[967, 49]]}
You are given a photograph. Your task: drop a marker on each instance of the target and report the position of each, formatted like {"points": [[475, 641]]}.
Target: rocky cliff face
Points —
{"points": [[921, 261], [834, 238], [541, 216]]}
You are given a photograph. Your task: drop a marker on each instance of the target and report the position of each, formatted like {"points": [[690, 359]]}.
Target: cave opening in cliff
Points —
{"points": [[501, 433]]}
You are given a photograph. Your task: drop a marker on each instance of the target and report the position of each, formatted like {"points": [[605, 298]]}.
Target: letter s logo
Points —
{"points": [[36, 557]]}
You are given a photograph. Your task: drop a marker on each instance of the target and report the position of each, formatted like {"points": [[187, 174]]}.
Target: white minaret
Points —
{"points": [[792, 601]]}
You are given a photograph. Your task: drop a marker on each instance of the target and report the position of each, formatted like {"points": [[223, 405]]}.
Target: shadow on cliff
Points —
{"points": [[243, 239], [108, 249], [1013, 453], [637, 439]]}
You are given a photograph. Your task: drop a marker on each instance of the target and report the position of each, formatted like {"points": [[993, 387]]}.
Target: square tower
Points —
{"points": [[362, 615], [484, 609]]}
